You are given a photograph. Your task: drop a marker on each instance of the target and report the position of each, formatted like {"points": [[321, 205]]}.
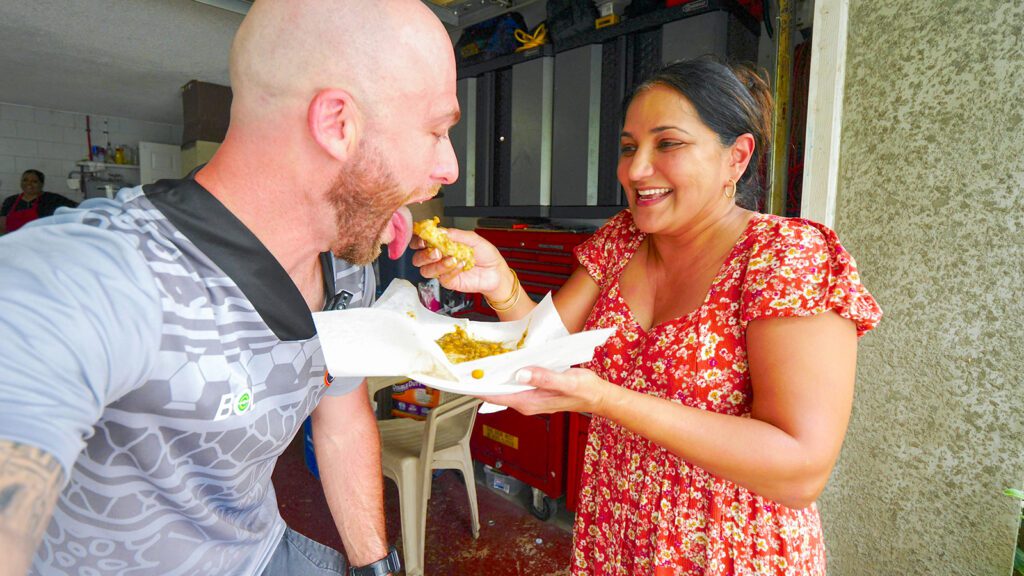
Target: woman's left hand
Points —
{"points": [[575, 390]]}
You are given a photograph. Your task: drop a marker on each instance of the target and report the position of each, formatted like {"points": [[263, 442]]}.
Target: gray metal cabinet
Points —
{"points": [[530, 139], [463, 137], [539, 131], [716, 33], [576, 133]]}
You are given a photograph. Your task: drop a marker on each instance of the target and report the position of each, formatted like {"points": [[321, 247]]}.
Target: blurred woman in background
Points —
{"points": [[32, 203]]}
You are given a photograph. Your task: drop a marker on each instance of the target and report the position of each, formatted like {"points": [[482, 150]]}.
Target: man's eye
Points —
{"points": [[627, 149], [666, 144]]}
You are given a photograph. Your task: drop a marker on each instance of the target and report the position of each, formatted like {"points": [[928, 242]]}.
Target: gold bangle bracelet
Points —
{"points": [[510, 306], [513, 298]]}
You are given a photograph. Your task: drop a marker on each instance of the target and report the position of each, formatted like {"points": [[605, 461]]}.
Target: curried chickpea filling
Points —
{"points": [[460, 347]]}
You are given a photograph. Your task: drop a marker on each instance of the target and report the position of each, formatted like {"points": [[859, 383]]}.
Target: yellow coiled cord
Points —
{"points": [[539, 37]]}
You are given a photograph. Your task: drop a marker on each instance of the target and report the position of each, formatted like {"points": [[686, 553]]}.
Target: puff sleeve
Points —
{"points": [[803, 270], [603, 255]]}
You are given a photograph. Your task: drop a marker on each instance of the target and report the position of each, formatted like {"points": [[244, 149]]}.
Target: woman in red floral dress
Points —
{"points": [[721, 402]]}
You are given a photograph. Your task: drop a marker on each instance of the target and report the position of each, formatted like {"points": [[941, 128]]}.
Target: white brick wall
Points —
{"points": [[51, 141]]}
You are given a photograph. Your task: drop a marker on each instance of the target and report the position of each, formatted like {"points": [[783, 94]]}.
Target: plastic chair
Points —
{"points": [[412, 449]]}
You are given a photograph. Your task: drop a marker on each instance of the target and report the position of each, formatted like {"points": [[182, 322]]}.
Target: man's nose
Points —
{"points": [[447, 169]]}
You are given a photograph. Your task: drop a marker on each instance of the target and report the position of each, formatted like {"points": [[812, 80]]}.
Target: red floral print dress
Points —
{"points": [[645, 511]]}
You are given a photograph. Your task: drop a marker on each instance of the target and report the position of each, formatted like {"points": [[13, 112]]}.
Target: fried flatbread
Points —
{"points": [[436, 237]]}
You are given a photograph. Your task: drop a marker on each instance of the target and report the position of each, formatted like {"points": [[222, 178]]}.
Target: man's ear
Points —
{"points": [[740, 153], [335, 122]]}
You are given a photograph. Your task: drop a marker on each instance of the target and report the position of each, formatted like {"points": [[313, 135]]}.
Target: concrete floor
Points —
{"points": [[511, 542]]}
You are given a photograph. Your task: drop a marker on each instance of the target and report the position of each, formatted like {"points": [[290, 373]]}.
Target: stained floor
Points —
{"points": [[512, 541]]}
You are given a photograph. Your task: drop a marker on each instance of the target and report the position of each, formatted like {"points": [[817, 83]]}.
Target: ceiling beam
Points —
{"points": [[446, 15]]}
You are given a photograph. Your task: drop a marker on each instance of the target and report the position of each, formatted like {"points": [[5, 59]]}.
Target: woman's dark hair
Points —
{"points": [[731, 101], [42, 178]]}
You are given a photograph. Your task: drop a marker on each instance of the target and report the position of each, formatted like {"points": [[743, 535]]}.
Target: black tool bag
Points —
{"points": [[567, 18]]}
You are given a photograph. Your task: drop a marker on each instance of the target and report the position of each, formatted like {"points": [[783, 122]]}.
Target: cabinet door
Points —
{"points": [[529, 448], [716, 33], [577, 127], [530, 140], [590, 83], [463, 137], [159, 161]]}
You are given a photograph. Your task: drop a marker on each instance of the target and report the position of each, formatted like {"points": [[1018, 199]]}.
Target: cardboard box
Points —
{"points": [[207, 110], [412, 399], [409, 410], [416, 393]]}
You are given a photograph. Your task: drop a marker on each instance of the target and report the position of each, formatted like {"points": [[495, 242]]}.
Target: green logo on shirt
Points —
{"points": [[235, 405], [243, 402]]}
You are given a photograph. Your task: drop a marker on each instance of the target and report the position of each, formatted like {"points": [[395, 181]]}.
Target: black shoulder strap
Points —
{"points": [[240, 255], [327, 268]]}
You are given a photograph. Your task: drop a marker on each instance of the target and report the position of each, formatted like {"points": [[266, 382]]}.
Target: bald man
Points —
{"points": [[159, 347]]}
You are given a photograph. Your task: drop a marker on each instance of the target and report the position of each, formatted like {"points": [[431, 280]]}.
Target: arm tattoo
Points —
{"points": [[30, 481]]}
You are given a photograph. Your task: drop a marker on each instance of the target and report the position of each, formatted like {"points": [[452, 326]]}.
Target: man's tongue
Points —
{"points": [[399, 233]]}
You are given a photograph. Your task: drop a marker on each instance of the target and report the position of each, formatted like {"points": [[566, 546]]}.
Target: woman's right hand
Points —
{"points": [[489, 275]]}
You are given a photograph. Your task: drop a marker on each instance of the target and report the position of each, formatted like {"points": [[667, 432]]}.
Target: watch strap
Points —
{"points": [[389, 564]]}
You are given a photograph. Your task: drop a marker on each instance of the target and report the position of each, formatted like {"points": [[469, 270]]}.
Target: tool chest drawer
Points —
{"points": [[542, 259]]}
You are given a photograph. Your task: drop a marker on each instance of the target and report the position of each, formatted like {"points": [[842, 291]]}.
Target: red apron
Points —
{"points": [[18, 218]]}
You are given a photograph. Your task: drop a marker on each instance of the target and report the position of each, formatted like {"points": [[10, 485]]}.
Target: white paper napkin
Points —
{"points": [[397, 337]]}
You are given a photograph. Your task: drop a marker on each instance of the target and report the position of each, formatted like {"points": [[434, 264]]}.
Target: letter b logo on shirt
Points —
{"points": [[234, 404]]}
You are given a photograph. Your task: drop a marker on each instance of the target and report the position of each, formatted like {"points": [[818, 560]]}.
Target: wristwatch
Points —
{"points": [[389, 564]]}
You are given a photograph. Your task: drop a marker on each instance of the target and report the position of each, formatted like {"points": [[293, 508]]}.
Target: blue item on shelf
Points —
{"points": [[490, 38]]}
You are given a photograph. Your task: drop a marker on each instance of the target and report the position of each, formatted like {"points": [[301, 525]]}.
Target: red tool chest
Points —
{"points": [[542, 259], [530, 448]]}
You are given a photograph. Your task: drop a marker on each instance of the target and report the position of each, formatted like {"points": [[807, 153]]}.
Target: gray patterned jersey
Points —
{"points": [[176, 478]]}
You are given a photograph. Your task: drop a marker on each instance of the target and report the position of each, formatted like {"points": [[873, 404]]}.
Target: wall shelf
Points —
{"points": [[502, 211], [660, 17], [585, 212], [470, 69], [640, 23], [91, 166]]}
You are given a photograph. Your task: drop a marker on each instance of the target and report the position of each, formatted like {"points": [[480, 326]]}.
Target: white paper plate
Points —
{"points": [[499, 371]]}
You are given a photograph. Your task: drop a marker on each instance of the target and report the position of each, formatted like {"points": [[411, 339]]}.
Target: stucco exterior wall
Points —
{"points": [[931, 204]]}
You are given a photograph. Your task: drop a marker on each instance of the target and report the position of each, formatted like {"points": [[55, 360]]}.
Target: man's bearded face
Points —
{"points": [[364, 196]]}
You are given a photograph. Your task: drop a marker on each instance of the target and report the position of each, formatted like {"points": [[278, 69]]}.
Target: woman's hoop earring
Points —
{"points": [[730, 192]]}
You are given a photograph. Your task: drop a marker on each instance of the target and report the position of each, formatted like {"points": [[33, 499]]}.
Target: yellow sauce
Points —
{"points": [[460, 347]]}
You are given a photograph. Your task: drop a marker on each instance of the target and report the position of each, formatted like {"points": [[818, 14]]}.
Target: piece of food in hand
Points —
{"points": [[436, 237], [460, 347]]}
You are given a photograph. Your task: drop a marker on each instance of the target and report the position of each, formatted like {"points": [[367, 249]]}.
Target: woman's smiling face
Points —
{"points": [[671, 165], [31, 184]]}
